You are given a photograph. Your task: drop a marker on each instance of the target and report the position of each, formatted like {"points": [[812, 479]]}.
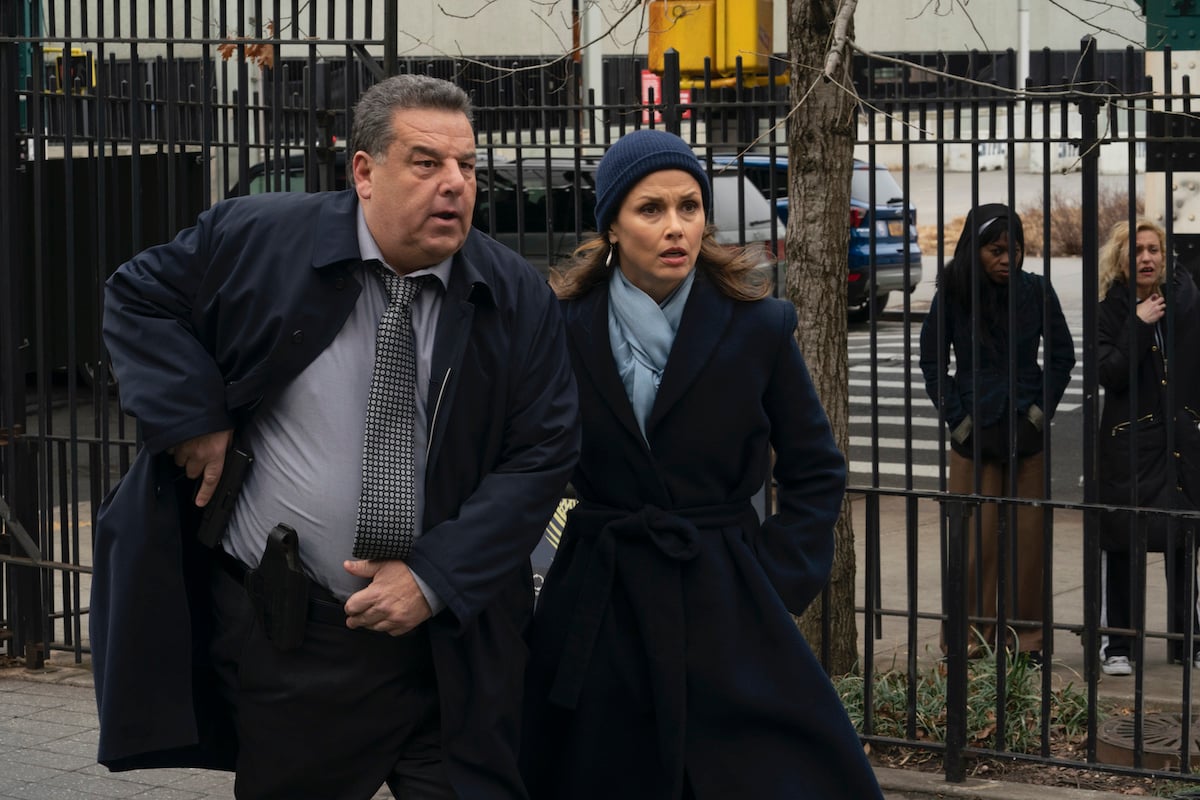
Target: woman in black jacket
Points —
{"points": [[970, 317], [1143, 390]]}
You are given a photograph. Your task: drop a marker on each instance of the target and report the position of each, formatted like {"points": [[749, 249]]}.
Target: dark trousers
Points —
{"points": [[337, 717], [1118, 600]]}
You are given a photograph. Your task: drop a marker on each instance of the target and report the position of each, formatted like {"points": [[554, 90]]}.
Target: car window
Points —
{"points": [[501, 203], [754, 210], [886, 188], [760, 176], [288, 175], [266, 182]]}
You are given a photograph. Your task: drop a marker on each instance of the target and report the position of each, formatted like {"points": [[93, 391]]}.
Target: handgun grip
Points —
{"points": [[215, 515]]}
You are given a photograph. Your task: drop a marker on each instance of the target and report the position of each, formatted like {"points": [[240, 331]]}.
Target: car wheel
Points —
{"points": [[863, 313], [89, 372]]}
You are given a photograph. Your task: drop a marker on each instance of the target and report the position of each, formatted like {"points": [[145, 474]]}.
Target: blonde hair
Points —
{"points": [[1114, 255], [734, 270]]}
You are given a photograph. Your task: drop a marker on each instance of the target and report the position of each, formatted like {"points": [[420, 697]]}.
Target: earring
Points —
{"points": [[609, 258]]}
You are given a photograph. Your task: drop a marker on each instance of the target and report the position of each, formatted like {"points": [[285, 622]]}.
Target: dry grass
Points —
{"points": [[1066, 226]]}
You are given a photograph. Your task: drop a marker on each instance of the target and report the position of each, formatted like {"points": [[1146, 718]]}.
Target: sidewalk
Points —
{"points": [[48, 727], [1163, 682], [48, 735]]}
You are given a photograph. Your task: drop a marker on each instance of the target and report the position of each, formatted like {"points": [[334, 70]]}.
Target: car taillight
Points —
{"points": [[780, 249], [856, 216]]}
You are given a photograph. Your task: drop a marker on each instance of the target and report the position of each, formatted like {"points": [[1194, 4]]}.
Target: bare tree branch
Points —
{"points": [[840, 25], [1105, 7], [472, 15], [623, 13]]}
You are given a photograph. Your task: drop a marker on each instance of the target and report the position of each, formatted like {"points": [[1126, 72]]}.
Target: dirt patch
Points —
{"points": [[1041, 774]]}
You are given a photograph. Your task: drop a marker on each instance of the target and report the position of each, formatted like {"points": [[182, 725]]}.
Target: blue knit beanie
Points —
{"points": [[633, 157]]}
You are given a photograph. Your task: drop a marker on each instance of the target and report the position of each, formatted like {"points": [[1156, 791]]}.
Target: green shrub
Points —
{"points": [[1023, 704]]}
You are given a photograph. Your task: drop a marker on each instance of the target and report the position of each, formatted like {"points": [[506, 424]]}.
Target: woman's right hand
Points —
{"points": [[1152, 309]]}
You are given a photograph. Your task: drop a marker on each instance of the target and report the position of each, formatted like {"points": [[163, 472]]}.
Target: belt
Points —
{"points": [[323, 606], [660, 542]]}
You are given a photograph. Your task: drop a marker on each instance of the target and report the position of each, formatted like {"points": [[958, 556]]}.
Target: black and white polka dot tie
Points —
{"points": [[387, 505]]}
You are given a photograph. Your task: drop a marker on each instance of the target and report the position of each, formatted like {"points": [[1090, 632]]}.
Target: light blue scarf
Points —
{"points": [[641, 333]]}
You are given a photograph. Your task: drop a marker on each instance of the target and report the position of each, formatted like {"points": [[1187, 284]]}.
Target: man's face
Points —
{"points": [[418, 199]]}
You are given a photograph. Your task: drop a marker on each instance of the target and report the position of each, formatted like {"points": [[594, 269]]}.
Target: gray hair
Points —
{"points": [[372, 131]]}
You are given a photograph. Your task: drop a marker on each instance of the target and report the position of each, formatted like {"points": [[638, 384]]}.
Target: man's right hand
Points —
{"points": [[203, 457]]}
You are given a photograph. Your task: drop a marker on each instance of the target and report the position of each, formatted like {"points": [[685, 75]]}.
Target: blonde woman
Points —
{"points": [[1143, 387]]}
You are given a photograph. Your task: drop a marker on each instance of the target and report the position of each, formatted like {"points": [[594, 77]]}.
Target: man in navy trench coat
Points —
{"points": [[202, 330]]}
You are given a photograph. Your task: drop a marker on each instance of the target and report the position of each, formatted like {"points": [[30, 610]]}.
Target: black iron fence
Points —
{"points": [[123, 135]]}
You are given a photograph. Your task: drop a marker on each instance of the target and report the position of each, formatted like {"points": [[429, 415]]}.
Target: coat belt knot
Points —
{"points": [[656, 544]]}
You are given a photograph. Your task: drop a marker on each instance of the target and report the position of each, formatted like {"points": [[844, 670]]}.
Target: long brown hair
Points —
{"points": [[734, 270]]}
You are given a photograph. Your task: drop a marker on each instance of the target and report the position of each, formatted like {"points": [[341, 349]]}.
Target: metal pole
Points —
{"points": [[12, 186], [1022, 43], [672, 115], [593, 54], [954, 607], [27, 610], [1089, 127], [391, 26]]}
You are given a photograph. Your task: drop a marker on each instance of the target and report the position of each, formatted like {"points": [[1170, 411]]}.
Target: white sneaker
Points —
{"points": [[1196, 662], [1117, 665]]}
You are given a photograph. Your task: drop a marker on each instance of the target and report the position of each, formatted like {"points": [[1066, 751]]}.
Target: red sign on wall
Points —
{"points": [[652, 81]]}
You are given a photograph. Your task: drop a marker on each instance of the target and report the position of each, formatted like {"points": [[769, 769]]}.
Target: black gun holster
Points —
{"points": [[278, 588]]}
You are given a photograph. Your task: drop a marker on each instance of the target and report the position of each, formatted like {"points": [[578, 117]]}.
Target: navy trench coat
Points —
{"points": [[662, 647], [200, 330]]}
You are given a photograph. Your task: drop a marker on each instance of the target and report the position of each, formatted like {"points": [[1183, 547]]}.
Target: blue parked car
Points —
{"points": [[890, 220]]}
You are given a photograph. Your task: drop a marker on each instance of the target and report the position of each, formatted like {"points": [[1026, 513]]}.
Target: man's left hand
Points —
{"points": [[392, 603]]}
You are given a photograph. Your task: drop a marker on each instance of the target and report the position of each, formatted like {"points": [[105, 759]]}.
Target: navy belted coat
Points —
{"points": [[200, 330], [662, 648]]}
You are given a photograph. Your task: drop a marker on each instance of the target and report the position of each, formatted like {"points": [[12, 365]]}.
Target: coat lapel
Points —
{"points": [[705, 318], [468, 288], [587, 323]]}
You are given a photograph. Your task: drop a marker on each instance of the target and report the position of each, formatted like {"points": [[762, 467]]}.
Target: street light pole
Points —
{"points": [[1022, 43], [593, 64]]}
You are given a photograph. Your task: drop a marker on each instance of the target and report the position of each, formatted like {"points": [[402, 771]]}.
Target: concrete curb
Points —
{"points": [[903, 783]]}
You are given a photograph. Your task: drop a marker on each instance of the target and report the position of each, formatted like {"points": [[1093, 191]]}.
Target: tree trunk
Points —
{"points": [[820, 158]]}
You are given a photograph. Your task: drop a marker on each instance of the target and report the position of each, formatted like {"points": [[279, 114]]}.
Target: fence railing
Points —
{"points": [[129, 149]]}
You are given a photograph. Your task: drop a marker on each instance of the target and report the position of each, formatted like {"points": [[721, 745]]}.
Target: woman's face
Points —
{"points": [[995, 259], [658, 231], [1150, 263]]}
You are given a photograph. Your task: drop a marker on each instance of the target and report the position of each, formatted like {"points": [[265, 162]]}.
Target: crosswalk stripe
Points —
{"points": [[918, 382], [919, 387], [921, 405], [861, 373], [888, 468], [898, 444], [887, 380], [920, 422]]}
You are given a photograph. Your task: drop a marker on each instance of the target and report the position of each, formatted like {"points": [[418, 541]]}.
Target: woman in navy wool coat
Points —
{"points": [[664, 660]]}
